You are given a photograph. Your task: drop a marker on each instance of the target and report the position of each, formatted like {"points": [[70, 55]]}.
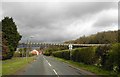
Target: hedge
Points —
{"points": [[62, 54], [113, 58], [85, 55], [106, 57], [102, 53]]}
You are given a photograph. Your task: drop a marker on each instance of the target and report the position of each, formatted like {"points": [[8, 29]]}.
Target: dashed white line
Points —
{"points": [[47, 61], [49, 64], [55, 72]]}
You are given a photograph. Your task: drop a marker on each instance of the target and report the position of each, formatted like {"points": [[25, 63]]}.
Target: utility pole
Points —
{"points": [[26, 49], [31, 42], [23, 50]]}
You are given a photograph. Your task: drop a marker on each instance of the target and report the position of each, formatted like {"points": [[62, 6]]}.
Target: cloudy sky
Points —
{"points": [[61, 21]]}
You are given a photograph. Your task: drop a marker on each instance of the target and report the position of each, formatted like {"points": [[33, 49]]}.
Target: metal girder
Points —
{"points": [[39, 44]]}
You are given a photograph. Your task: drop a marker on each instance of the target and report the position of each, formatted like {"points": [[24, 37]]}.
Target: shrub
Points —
{"points": [[30, 54], [47, 53], [58, 54], [107, 57], [16, 54], [66, 54], [85, 55], [20, 53], [62, 54], [113, 58], [74, 55], [102, 53]]}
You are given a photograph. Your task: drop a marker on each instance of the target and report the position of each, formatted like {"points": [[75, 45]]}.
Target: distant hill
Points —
{"points": [[105, 37]]}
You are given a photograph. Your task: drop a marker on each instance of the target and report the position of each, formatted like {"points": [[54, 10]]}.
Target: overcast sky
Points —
{"points": [[61, 21]]}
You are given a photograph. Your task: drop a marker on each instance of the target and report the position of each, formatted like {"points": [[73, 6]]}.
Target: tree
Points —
{"points": [[5, 49], [10, 35], [99, 38]]}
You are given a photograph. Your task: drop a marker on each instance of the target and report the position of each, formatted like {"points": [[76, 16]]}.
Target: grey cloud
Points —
{"points": [[43, 16], [48, 22], [80, 9], [119, 15], [107, 20], [106, 23]]}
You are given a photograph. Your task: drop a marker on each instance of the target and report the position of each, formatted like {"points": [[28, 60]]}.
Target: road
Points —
{"points": [[50, 66]]}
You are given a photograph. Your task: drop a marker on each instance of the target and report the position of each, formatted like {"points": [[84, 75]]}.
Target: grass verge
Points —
{"points": [[0, 68], [91, 68], [13, 65]]}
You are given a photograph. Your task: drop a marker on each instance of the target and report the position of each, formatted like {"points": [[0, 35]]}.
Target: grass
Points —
{"points": [[0, 67], [13, 65], [91, 68]]}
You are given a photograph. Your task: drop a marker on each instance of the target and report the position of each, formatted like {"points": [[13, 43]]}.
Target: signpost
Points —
{"points": [[70, 48]]}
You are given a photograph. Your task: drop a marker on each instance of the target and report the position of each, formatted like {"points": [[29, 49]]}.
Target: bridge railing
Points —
{"points": [[57, 44]]}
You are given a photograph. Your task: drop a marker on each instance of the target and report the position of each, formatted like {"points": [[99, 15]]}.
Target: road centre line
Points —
{"points": [[51, 65], [47, 62], [55, 72]]}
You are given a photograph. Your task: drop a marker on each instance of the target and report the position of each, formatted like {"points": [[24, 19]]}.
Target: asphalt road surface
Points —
{"points": [[50, 66]]}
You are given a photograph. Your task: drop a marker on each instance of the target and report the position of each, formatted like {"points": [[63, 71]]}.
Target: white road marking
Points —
{"points": [[47, 61], [55, 72], [49, 64]]}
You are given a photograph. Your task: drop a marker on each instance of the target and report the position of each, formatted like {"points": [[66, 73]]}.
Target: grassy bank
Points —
{"points": [[0, 67], [91, 68], [13, 65]]}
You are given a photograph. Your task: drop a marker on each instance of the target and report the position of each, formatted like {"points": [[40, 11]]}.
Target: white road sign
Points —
{"points": [[70, 46]]}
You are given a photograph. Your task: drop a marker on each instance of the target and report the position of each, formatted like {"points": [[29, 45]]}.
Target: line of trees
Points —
{"points": [[99, 38], [10, 38]]}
